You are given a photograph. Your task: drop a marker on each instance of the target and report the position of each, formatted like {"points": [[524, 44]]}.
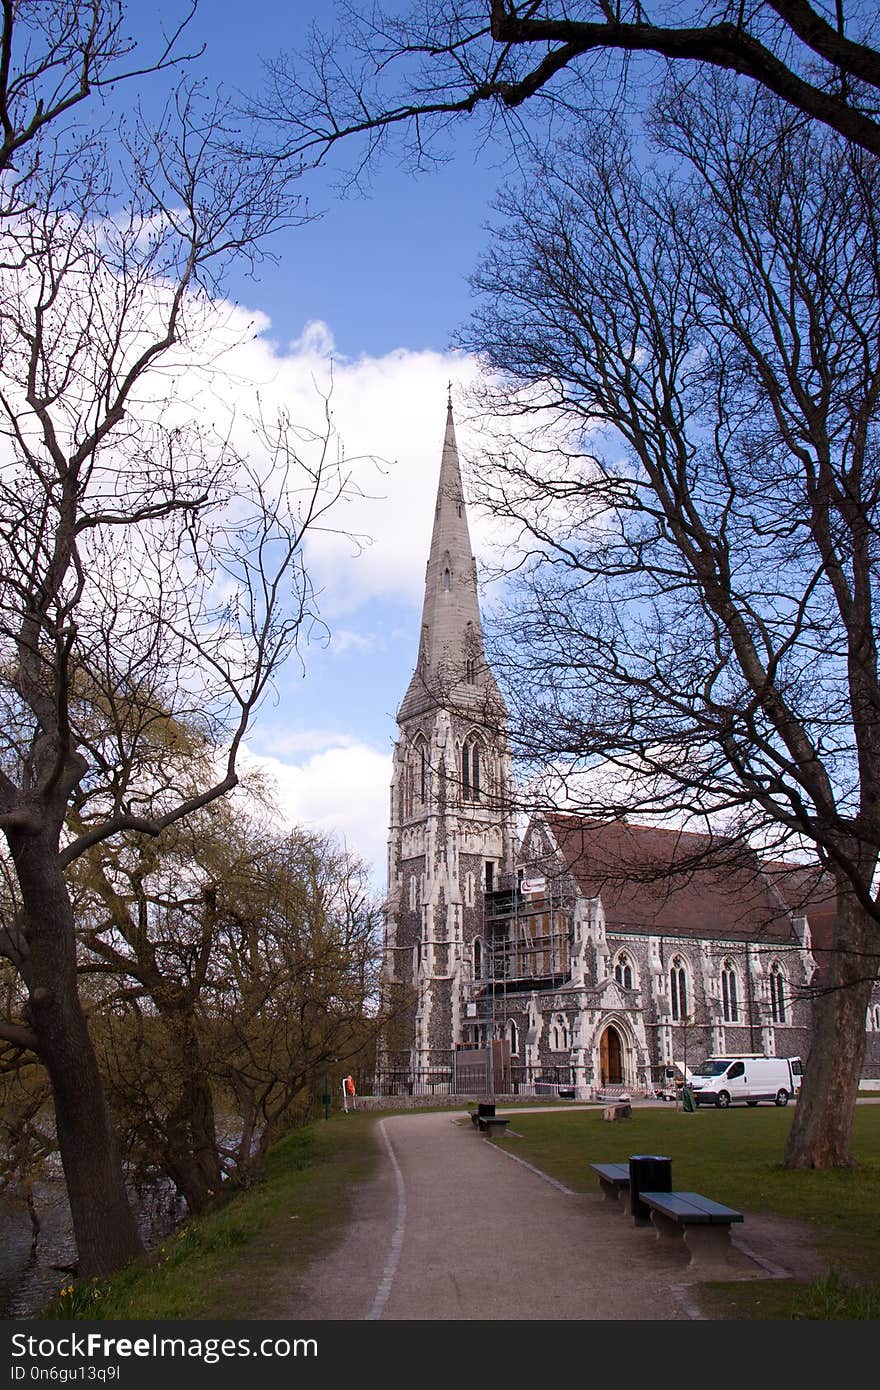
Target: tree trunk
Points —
{"points": [[104, 1226], [191, 1156], [821, 1131]]}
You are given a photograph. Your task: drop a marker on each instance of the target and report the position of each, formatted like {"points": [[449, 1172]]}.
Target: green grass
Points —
{"points": [[835, 1298], [236, 1262], [245, 1260], [735, 1156]]}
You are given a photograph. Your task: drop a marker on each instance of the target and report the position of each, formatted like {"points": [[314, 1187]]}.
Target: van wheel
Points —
{"points": [[723, 1100], [782, 1097], [751, 1102]]}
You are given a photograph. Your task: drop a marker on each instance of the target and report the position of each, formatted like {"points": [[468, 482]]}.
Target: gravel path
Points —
{"points": [[455, 1227]]}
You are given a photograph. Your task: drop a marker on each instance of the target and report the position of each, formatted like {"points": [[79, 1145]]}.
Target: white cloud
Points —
{"points": [[389, 416], [228, 370], [291, 743], [341, 788], [343, 639], [227, 375]]}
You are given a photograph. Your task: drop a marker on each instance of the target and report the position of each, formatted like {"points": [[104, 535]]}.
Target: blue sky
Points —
{"points": [[384, 271], [373, 291]]}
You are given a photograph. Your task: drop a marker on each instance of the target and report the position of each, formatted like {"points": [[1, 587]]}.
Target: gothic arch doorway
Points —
{"points": [[611, 1057]]}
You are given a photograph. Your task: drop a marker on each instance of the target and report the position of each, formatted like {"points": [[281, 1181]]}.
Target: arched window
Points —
{"points": [[729, 993], [470, 769], [408, 783], [623, 972], [478, 959], [470, 670], [777, 993], [678, 989], [416, 781], [513, 1037], [559, 1037], [420, 770], [447, 579]]}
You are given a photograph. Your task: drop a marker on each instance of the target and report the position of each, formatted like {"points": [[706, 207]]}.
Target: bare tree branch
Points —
{"points": [[689, 362], [415, 73]]}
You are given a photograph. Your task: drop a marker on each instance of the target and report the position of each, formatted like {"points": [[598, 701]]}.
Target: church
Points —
{"points": [[589, 958]]}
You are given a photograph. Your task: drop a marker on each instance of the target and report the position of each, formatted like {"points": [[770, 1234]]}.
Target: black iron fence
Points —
{"points": [[462, 1074]]}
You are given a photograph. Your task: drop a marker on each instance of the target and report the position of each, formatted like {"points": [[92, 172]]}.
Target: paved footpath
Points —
{"points": [[454, 1227]]}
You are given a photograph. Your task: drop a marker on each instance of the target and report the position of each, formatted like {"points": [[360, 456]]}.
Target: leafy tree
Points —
{"points": [[233, 967], [689, 354]]}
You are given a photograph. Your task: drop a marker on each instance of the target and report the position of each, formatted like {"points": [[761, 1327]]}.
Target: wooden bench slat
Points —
{"points": [[690, 1208], [613, 1180], [489, 1122], [612, 1172]]}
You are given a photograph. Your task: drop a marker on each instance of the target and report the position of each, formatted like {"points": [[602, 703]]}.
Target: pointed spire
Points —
{"points": [[451, 668]]}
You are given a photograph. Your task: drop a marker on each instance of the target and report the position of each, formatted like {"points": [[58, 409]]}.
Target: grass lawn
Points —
{"points": [[244, 1260], [232, 1262], [735, 1156]]}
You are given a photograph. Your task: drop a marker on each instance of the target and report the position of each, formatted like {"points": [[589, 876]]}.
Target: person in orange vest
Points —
{"points": [[348, 1093]]}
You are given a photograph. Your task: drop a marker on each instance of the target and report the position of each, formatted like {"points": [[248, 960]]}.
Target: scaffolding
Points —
{"points": [[527, 938]]}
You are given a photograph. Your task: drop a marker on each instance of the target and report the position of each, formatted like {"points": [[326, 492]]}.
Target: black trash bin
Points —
{"points": [[485, 1107], [647, 1173]]}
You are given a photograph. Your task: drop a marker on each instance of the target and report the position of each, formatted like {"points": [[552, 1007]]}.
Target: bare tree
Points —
{"points": [[381, 71], [55, 57], [150, 568], [691, 361]]}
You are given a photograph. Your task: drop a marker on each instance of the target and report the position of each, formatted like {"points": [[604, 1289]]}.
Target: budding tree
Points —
{"points": [[234, 966]]}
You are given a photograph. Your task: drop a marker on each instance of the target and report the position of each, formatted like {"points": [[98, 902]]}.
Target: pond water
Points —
{"points": [[28, 1281]]}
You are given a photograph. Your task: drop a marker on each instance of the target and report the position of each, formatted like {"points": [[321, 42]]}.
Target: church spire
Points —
{"points": [[451, 666]]}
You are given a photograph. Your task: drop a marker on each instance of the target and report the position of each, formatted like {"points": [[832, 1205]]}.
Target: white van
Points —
{"points": [[749, 1076]]}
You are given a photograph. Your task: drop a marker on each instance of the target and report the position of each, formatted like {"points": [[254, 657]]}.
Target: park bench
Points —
{"points": [[702, 1225], [613, 1179], [485, 1109], [492, 1124]]}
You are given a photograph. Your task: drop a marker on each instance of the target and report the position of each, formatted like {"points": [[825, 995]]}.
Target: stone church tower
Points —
{"points": [[451, 833]]}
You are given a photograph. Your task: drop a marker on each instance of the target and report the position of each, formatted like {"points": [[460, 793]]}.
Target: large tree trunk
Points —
{"points": [[821, 1131], [104, 1226]]}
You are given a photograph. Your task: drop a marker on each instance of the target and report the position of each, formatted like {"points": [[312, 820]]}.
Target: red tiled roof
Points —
{"points": [[677, 882]]}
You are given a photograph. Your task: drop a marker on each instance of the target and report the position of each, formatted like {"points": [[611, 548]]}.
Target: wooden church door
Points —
{"points": [[610, 1058]]}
